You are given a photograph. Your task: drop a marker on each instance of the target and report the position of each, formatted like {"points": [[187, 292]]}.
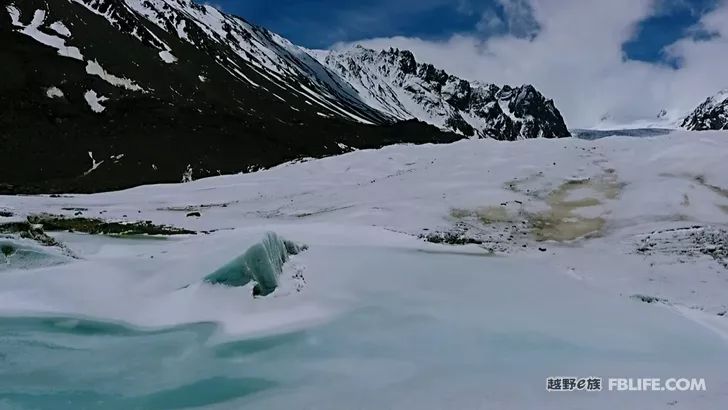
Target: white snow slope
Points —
{"points": [[387, 320]]}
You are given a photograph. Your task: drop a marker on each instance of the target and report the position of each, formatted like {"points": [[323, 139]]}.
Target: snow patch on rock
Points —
{"points": [[32, 31], [94, 68], [94, 101], [54, 92], [94, 164], [167, 57], [60, 29]]}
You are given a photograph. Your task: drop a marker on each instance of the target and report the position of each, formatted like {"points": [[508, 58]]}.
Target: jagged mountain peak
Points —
{"points": [[393, 81], [712, 114]]}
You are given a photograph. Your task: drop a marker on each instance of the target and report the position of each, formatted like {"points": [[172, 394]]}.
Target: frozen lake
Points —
{"points": [[405, 329], [566, 236]]}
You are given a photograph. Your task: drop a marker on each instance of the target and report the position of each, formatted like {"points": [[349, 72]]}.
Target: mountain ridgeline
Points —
{"points": [[712, 114], [395, 83], [107, 94]]}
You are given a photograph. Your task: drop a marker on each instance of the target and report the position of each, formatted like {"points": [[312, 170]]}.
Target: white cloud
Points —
{"points": [[514, 17], [519, 15], [577, 59], [464, 7], [490, 23]]}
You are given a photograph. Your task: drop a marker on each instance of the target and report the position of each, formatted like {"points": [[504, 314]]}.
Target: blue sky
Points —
{"points": [[667, 25], [321, 23]]}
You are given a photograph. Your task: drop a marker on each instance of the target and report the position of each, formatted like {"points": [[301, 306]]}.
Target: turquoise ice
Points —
{"points": [[262, 263], [487, 337]]}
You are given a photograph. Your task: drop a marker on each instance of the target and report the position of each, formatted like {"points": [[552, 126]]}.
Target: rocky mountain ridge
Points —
{"points": [[394, 82], [712, 114]]}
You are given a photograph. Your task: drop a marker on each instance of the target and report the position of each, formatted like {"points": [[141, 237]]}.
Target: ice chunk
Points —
{"points": [[262, 263], [23, 254]]}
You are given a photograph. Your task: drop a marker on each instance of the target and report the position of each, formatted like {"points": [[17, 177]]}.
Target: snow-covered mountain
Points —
{"points": [[249, 54], [712, 114], [395, 83], [105, 94]]}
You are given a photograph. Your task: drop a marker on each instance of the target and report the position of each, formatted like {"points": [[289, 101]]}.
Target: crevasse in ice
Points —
{"points": [[262, 263]]}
